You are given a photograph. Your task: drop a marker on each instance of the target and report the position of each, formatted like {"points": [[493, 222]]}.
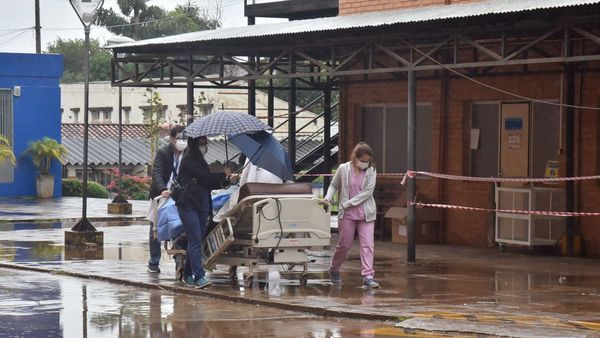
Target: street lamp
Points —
{"points": [[87, 11], [119, 204]]}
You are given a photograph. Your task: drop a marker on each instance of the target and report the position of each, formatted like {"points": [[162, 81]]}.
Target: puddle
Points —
{"points": [[42, 305]]}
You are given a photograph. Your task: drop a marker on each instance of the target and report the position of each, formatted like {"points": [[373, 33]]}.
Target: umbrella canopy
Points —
{"points": [[224, 123], [265, 151]]}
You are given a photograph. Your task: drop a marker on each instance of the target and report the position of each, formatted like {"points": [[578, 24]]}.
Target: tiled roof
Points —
{"points": [[100, 130]]}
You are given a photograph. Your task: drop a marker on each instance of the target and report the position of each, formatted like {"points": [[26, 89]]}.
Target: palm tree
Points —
{"points": [[6, 152]]}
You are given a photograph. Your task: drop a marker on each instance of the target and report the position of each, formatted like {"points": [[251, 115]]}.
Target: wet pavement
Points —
{"points": [[450, 289], [27, 209], [42, 305]]}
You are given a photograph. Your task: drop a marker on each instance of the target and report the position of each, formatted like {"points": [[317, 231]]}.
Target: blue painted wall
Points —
{"points": [[36, 113]]}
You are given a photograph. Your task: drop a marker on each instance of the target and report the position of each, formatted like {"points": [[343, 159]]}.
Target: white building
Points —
{"points": [[104, 103]]}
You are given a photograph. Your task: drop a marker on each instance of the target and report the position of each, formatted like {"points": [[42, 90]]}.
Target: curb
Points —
{"points": [[73, 219], [323, 312]]}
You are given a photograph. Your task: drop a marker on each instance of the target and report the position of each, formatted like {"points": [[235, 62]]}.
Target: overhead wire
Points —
{"points": [[11, 31], [13, 38], [234, 2], [523, 97]]}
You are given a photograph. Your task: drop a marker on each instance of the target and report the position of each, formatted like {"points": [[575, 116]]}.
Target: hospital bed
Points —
{"points": [[271, 224]]}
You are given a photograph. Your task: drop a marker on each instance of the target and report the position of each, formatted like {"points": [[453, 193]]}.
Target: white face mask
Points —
{"points": [[180, 145], [203, 149], [362, 165]]}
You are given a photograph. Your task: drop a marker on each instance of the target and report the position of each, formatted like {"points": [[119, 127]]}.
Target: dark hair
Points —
{"points": [[176, 130], [359, 150], [194, 142]]}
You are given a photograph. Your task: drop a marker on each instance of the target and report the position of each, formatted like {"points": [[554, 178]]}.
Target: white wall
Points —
{"points": [[104, 101]]}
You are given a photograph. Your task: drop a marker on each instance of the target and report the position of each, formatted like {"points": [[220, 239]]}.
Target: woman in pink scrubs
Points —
{"points": [[355, 180]]}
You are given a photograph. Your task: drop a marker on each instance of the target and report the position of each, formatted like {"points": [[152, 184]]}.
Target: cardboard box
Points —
{"points": [[426, 228], [425, 233]]}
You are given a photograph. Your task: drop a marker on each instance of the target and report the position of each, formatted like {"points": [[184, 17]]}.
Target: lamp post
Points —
{"points": [[119, 204], [84, 231]]}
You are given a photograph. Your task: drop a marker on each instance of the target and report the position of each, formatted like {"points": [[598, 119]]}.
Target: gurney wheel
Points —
{"points": [[233, 272], [248, 281], [303, 279]]}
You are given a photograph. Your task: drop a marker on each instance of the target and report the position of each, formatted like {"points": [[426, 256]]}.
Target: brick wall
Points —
{"points": [[360, 6], [450, 142], [588, 161]]}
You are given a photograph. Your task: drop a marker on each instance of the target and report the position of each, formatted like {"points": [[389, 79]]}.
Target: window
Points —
{"points": [[104, 177], [204, 109], [75, 112], [484, 139], [545, 130], [126, 114], [108, 116], [156, 116], [6, 129], [384, 127], [95, 115]]}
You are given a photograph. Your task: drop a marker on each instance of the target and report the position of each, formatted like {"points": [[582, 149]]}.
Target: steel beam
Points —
{"points": [[411, 145]]}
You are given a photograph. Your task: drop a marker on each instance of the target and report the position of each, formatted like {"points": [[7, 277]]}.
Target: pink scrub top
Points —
{"points": [[355, 213]]}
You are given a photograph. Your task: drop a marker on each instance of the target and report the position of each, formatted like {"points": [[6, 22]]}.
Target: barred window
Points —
{"points": [[6, 129]]}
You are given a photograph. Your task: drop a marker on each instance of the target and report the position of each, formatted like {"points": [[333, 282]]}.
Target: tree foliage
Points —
{"points": [[73, 53], [138, 20]]}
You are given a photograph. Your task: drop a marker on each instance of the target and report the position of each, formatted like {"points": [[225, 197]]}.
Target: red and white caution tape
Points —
{"points": [[520, 212], [413, 174], [378, 174]]}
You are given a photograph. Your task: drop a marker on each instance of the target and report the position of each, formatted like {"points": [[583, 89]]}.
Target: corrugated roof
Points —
{"points": [[364, 20], [103, 130], [105, 151], [136, 151]]}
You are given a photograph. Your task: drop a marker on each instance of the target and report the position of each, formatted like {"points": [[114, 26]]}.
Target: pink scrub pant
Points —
{"points": [[346, 228]]}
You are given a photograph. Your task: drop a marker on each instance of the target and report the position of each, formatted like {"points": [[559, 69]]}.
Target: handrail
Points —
{"points": [[311, 121], [299, 111], [306, 140]]}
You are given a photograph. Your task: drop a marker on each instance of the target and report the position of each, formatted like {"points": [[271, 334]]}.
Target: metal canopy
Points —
{"points": [[531, 37], [383, 19], [487, 36]]}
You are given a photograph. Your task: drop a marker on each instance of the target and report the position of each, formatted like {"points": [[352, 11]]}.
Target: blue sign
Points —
{"points": [[515, 123]]}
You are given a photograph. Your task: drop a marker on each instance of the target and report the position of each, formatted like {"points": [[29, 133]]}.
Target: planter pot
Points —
{"points": [[45, 186]]}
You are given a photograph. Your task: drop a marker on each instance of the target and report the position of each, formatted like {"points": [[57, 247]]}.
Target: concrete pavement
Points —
{"points": [[449, 289]]}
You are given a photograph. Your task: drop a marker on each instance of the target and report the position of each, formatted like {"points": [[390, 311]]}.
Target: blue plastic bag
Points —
{"points": [[219, 200], [168, 223]]}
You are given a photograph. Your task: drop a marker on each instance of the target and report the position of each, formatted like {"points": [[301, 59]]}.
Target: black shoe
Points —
{"points": [[153, 269]]}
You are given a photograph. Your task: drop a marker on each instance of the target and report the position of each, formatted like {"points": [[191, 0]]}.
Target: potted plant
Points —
{"points": [[6, 153], [42, 152]]}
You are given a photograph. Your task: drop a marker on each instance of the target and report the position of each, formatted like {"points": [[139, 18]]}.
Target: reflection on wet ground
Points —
{"points": [[460, 286], [27, 208], [41, 305]]}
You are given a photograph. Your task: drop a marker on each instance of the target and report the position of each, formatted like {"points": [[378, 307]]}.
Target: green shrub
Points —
{"points": [[142, 195], [71, 187], [95, 189]]}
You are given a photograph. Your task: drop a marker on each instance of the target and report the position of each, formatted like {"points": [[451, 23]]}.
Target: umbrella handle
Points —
{"points": [[226, 151]]}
